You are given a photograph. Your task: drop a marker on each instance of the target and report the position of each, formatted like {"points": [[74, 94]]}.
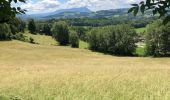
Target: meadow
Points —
{"points": [[48, 72]]}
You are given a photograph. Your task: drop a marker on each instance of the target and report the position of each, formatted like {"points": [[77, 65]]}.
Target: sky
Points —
{"points": [[44, 6]]}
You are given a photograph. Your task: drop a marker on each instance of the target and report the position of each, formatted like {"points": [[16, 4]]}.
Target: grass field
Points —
{"points": [[45, 72], [42, 39], [140, 30]]}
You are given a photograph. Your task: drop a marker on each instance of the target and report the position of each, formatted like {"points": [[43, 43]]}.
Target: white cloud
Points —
{"points": [[42, 6]]}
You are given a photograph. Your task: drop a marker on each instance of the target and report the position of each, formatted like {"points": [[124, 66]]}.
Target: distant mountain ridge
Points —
{"points": [[88, 14], [82, 12], [82, 9], [43, 15]]}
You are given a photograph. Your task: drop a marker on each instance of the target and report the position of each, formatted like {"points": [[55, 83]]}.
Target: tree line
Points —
{"points": [[118, 39]]}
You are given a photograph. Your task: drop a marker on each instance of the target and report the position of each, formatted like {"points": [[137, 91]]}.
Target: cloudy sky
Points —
{"points": [[43, 6]]}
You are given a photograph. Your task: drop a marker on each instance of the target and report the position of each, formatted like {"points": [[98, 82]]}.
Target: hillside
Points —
{"points": [[45, 72], [83, 13]]}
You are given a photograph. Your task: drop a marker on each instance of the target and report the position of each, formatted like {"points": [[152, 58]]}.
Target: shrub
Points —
{"points": [[118, 40], [19, 36], [5, 32], [74, 40], [158, 39], [31, 40], [61, 32]]}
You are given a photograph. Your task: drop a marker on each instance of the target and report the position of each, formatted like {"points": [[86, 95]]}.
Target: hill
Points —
{"points": [[58, 12], [97, 14], [45, 72]]}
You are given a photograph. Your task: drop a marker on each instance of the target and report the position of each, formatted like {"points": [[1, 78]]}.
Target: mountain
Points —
{"points": [[77, 10], [55, 13], [88, 14], [81, 13]]}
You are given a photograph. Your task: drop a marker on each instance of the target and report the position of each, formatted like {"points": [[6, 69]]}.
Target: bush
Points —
{"points": [[31, 40], [5, 32], [19, 36], [158, 39], [61, 32], [74, 40], [117, 40]]}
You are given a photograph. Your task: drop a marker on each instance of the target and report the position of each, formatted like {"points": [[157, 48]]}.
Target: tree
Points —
{"points": [[117, 40], [16, 25], [74, 40], [158, 39], [47, 29], [5, 32], [61, 32], [7, 12], [160, 7], [31, 26]]}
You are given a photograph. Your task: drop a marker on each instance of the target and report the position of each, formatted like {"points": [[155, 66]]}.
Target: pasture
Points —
{"points": [[47, 72]]}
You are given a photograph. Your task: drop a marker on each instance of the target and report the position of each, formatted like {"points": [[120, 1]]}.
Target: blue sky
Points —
{"points": [[43, 6]]}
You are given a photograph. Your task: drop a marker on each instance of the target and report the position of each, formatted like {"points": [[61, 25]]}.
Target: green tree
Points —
{"points": [[158, 39], [160, 7], [61, 32], [16, 25], [47, 29], [31, 26], [7, 12], [117, 40], [5, 32], [74, 40]]}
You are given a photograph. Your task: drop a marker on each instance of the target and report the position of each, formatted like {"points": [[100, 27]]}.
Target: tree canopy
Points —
{"points": [[8, 12], [160, 7]]}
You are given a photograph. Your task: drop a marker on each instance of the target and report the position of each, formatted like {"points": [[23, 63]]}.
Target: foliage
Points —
{"points": [[43, 28], [158, 39], [81, 31], [7, 12], [17, 25], [5, 32], [19, 36], [47, 29], [12, 30], [118, 40], [61, 32], [31, 26], [39, 28], [160, 7], [74, 39], [31, 40]]}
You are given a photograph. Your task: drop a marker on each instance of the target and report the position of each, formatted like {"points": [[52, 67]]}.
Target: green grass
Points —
{"points": [[42, 39], [83, 45], [140, 30], [140, 51], [48, 40]]}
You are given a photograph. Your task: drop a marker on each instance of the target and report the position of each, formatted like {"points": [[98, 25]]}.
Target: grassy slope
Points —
{"points": [[44, 72], [48, 40], [42, 39], [140, 50], [141, 30]]}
